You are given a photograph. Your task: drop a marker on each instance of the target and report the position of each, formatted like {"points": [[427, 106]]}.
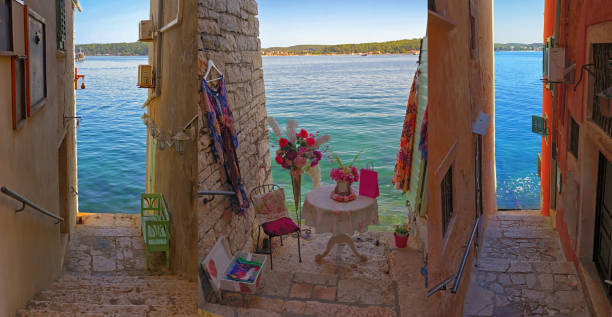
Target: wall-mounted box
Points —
{"points": [[145, 31], [556, 64], [145, 76]]}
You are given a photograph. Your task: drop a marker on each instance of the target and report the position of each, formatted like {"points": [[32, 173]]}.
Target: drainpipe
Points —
{"points": [[158, 51]]}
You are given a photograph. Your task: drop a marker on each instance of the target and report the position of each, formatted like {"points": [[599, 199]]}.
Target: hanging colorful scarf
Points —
{"points": [[401, 175], [220, 120], [423, 142]]}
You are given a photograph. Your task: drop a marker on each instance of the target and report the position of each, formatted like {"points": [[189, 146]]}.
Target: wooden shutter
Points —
{"points": [[539, 125], [60, 24]]}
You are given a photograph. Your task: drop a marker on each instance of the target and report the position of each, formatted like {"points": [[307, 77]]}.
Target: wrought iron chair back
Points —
{"points": [[264, 189]]}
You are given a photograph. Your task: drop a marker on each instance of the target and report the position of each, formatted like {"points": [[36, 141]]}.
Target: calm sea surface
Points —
{"points": [[359, 101]]}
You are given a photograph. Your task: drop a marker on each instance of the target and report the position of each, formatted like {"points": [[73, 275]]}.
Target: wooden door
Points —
{"points": [[603, 223]]}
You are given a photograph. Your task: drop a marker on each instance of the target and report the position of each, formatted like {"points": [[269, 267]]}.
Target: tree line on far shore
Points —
{"points": [[115, 49], [390, 47], [517, 47]]}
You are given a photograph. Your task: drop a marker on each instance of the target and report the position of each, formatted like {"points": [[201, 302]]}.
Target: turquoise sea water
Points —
{"points": [[518, 96], [360, 101], [111, 137]]}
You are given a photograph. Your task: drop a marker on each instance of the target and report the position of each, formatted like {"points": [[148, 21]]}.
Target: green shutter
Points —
{"points": [[539, 125], [60, 24]]}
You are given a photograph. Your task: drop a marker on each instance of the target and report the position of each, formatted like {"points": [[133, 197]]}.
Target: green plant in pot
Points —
{"points": [[401, 235]]}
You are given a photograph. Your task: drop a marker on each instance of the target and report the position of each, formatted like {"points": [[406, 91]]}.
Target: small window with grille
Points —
{"points": [[446, 189], [574, 137], [473, 35], [6, 26], [61, 24]]}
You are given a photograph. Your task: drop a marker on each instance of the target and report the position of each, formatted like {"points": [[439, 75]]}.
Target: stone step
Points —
{"points": [[120, 297], [123, 282], [122, 288], [512, 266], [110, 310], [49, 313]]}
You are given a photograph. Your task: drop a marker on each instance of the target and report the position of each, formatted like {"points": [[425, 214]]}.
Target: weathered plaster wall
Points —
{"points": [[581, 24], [31, 246], [459, 88], [228, 34], [175, 173]]}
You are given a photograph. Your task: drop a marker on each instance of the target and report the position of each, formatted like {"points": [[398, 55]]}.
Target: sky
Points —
{"points": [[518, 21], [109, 21], [292, 22]]}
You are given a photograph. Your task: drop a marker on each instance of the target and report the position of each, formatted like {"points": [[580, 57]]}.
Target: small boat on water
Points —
{"points": [[79, 57], [364, 54]]}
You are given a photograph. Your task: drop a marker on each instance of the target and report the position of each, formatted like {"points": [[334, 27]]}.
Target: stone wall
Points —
{"points": [[228, 34]]}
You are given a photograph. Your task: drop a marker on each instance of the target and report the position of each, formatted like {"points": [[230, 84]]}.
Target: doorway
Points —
{"points": [[603, 223]]}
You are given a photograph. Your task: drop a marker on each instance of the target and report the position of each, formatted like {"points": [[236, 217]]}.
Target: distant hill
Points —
{"points": [[518, 47], [116, 49], [391, 47]]}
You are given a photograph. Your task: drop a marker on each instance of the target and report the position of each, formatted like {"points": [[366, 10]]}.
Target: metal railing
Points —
{"points": [[26, 202], [457, 277], [213, 193]]}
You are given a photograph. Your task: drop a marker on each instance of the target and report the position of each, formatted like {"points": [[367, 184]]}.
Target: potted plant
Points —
{"points": [[401, 235]]}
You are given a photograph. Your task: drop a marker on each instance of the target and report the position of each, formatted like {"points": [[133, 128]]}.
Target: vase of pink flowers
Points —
{"points": [[344, 175]]}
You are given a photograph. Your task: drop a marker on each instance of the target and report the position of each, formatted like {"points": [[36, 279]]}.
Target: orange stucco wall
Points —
{"points": [[581, 24], [460, 87]]}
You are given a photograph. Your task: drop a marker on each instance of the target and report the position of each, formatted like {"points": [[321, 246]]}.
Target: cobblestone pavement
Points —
{"points": [[105, 275], [521, 271], [339, 285]]}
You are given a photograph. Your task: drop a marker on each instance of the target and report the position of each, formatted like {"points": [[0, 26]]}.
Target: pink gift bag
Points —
{"points": [[368, 182]]}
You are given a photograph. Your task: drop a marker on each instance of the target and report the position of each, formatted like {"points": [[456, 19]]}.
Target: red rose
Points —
{"points": [[279, 160], [283, 142], [310, 141], [303, 134]]}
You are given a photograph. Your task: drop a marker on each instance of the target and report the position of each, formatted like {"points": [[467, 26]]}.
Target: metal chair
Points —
{"points": [[264, 189]]}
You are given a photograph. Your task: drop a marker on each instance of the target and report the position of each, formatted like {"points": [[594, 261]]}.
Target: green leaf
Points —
{"points": [[355, 158]]}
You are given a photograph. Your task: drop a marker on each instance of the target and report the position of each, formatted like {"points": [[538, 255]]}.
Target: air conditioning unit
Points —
{"points": [[145, 31], [145, 76], [555, 65]]}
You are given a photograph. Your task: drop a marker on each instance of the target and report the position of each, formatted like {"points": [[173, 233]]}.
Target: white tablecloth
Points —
{"points": [[328, 215]]}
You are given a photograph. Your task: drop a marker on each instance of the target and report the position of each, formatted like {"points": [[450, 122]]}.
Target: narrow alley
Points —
{"points": [[105, 274], [521, 271]]}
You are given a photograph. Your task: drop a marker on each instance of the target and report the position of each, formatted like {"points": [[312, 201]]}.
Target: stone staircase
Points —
{"points": [[521, 271], [105, 275]]}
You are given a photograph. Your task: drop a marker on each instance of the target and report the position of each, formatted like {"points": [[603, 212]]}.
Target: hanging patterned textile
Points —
{"points": [[401, 174], [213, 104], [423, 142]]}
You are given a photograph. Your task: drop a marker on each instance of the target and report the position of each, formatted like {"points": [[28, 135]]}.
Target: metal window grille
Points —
{"points": [[61, 24], [602, 58], [574, 135], [6, 26], [447, 199]]}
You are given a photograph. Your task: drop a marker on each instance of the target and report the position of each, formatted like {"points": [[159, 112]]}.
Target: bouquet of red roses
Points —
{"points": [[299, 150]]}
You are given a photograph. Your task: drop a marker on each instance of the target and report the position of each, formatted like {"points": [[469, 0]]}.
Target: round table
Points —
{"points": [[341, 219]]}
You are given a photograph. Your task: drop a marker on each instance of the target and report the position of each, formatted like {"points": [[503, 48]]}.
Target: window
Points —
{"points": [[602, 103], [6, 26], [574, 134], [446, 188], [18, 70], [473, 37], [61, 24], [37, 59]]}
